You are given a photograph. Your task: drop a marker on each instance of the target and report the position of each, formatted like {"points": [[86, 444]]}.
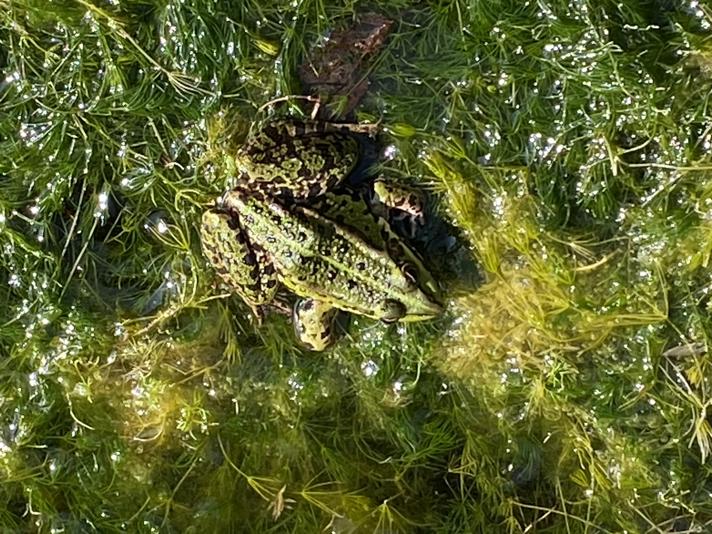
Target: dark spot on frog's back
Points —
{"points": [[274, 181], [316, 189], [253, 287], [249, 259], [232, 222]]}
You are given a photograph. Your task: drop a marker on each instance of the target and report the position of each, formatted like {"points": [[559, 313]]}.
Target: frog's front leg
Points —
{"points": [[314, 323], [245, 270], [403, 206]]}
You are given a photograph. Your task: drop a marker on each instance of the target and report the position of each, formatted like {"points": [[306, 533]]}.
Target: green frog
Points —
{"points": [[288, 223]]}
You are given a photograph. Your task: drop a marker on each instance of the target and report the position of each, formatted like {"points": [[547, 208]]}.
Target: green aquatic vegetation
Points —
{"points": [[565, 147]]}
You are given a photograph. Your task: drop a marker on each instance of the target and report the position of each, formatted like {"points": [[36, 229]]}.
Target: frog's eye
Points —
{"points": [[392, 311], [410, 271]]}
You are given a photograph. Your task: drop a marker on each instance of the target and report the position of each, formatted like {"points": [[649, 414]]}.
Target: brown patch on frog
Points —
{"points": [[337, 69]]}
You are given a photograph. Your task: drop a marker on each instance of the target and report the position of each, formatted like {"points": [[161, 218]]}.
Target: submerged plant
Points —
{"points": [[565, 146]]}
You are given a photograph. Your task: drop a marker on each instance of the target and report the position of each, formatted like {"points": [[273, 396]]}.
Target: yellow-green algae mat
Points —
{"points": [[567, 143]]}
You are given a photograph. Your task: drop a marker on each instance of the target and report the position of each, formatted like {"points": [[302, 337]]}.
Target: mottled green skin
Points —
{"points": [[399, 204], [243, 268], [315, 257], [335, 251], [297, 160], [355, 211]]}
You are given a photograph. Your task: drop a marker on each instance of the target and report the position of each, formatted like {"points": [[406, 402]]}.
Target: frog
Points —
{"points": [[288, 223]]}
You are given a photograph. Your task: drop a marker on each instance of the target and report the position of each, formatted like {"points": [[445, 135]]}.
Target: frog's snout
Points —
{"points": [[424, 311]]}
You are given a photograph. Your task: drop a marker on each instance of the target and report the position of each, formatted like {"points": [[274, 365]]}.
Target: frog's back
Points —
{"points": [[351, 209]]}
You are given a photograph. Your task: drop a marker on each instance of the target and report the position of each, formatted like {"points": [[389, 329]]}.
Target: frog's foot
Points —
{"points": [[296, 160], [402, 206], [314, 323]]}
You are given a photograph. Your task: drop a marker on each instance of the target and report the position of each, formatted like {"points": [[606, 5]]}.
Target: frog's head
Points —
{"points": [[415, 305], [417, 299]]}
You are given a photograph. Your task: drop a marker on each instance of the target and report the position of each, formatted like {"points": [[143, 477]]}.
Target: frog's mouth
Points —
{"points": [[409, 311], [394, 311], [422, 312]]}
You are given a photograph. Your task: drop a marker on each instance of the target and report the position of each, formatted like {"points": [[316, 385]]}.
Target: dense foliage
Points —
{"points": [[566, 142]]}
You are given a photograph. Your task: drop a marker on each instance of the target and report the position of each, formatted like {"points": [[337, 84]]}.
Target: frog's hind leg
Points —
{"points": [[308, 127], [243, 268], [315, 323], [296, 161]]}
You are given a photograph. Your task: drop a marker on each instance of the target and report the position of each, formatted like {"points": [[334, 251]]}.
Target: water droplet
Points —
{"points": [[369, 368]]}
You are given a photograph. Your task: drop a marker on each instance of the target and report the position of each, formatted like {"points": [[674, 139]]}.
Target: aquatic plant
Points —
{"points": [[566, 389]]}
